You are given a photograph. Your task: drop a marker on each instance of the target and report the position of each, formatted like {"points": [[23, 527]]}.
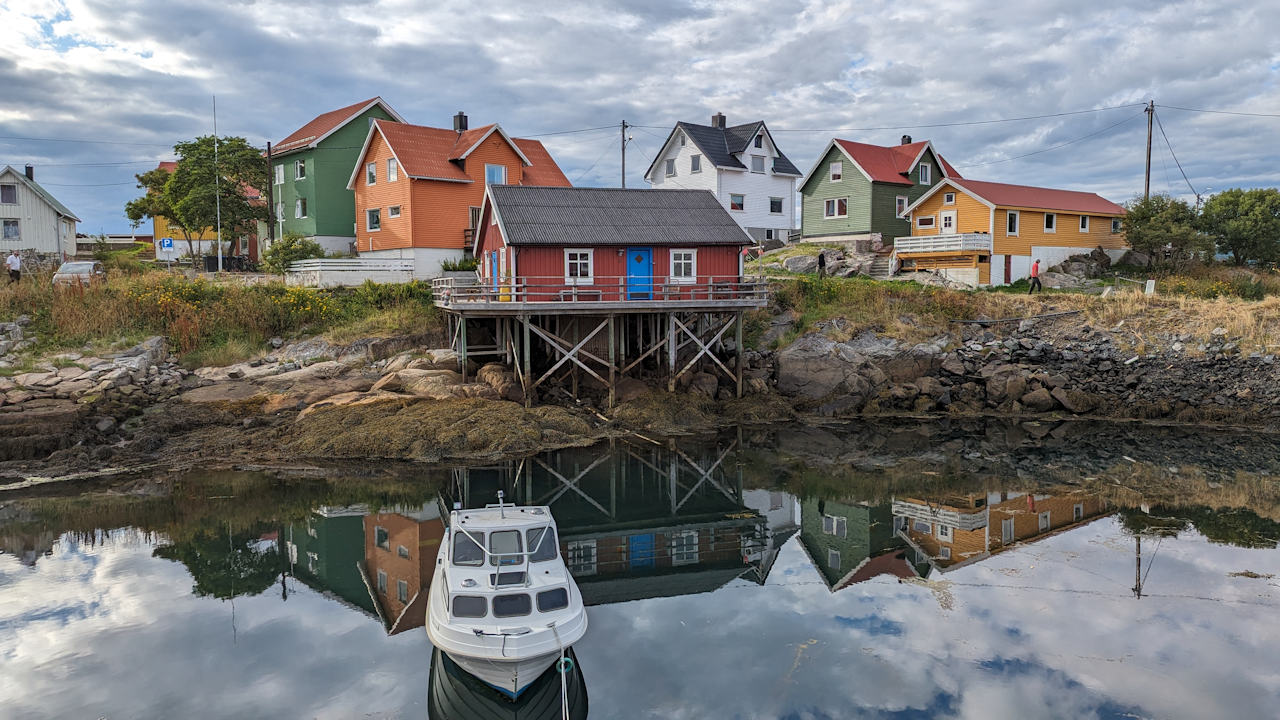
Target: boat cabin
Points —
{"points": [[504, 563]]}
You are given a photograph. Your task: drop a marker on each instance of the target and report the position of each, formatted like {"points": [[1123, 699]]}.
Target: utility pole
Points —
{"points": [[217, 182], [624, 154], [1137, 567], [1146, 185], [271, 200]]}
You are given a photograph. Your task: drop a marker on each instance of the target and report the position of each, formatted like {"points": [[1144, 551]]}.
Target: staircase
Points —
{"points": [[881, 267]]}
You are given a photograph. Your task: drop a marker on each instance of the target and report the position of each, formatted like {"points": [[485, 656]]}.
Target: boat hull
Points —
{"points": [[507, 677], [457, 695]]}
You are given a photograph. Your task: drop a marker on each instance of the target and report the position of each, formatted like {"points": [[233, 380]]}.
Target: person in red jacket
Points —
{"points": [[1035, 278]]}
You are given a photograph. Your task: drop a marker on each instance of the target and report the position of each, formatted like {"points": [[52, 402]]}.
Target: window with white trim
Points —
{"points": [[835, 525], [771, 234], [12, 229], [775, 205], [402, 551], [948, 198], [1115, 225], [757, 163], [944, 553], [681, 136], [944, 532], [580, 556], [300, 208], [279, 174], [900, 203], [393, 211], [381, 537], [473, 217], [737, 202], [371, 173], [300, 169], [833, 559], [684, 547], [925, 221], [835, 208], [836, 171], [9, 194], [402, 591], [393, 170], [684, 266], [1011, 223], [1044, 521], [279, 211], [1050, 222], [382, 581], [577, 267], [695, 163], [923, 527], [495, 174], [1084, 223], [760, 140], [926, 174], [670, 170], [373, 219]]}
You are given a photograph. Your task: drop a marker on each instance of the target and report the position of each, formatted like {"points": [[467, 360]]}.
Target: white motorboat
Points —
{"points": [[503, 605]]}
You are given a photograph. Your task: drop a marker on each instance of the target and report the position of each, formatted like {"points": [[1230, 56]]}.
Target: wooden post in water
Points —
{"points": [[737, 366], [613, 362], [528, 377]]}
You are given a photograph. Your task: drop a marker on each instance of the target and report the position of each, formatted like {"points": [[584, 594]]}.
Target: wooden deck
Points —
{"points": [[603, 296]]}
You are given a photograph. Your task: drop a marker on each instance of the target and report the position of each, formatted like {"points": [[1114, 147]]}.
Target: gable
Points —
{"points": [[16, 177], [325, 124]]}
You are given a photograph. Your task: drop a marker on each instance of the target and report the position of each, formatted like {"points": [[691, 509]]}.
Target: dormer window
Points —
{"points": [[926, 174], [757, 163], [760, 140]]}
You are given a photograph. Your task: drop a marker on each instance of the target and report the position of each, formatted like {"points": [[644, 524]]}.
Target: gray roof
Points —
{"points": [[35, 186], [609, 216], [720, 145]]}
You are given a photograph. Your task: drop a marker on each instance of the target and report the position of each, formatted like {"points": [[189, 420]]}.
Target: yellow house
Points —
{"points": [[985, 233], [160, 229]]}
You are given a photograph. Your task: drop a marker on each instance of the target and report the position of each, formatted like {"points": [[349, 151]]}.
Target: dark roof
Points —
{"points": [[38, 189], [720, 145], [610, 216]]}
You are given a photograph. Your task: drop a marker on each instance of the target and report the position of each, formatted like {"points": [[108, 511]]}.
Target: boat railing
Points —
{"points": [[495, 577]]}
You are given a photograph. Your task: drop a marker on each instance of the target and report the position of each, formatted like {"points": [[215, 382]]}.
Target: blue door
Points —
{"points": [[640, 550], [493, 268], [639, 273]]}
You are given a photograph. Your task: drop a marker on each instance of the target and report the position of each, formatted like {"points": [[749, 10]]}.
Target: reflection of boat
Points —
{"points": [[454, 694], [502, 603]]}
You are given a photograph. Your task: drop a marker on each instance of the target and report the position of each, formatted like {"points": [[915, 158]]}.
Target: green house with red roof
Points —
{"points": [[856, 190], [310, 170]]}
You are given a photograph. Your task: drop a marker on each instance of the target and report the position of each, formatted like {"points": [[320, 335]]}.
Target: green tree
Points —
{"points": [[1165, 228], [1244, 223], [224, 566], [277, 258], [188, 196]]}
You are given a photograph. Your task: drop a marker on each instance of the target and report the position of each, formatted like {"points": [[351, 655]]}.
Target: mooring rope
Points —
{"points": [[562, 667]]}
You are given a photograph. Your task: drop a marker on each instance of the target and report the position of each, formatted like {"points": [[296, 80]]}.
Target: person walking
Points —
{"points": [[1035, 278], [13, 264]]}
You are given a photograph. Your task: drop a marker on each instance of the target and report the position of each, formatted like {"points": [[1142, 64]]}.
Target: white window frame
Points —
{"points": [[402, 591], [369, 217], [371, 173], [682, 553], [695, 164], [1048, 222], [1077, 512], [743, 203], [589, 278], [931, 224], [922, 527], [693, 264], [14, 222], [948, 198], [757, 159], [770, 234], [278, 174], [488, 167], [1016, 217], [573, 557], [1116, 225], [393, 170], [402, 551], [474, 215], [900, 203], [835, 171], [944, 553], [1084, 223], [300, 208], [782, 206], [1012, 534], [1044, 521], [831, 208], [669, 166], [300, 169], [681, 137], [760, 140], [944, 532], [837, 525], [926, 173], [279, 210], [382, 581], [833, 559], [393, 211]]}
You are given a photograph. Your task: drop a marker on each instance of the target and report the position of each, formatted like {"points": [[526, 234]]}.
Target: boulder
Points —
{"points": [[350, 399], [1075, 400], [801, 264], [628, 389], [1038, 401], [326, 370], [495, 375], [815, 367], [920, 360], [704, 384]]}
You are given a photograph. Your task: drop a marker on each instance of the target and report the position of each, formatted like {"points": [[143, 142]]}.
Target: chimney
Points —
{"points": [[718, 121], [459, 122], [906, 139], [31, 173]]}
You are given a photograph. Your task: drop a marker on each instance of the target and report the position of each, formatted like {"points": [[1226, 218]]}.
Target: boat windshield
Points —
{"points": [[545, 551], [504, 547], [466, 551]]}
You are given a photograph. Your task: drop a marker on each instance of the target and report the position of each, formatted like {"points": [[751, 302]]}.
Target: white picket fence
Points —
{"points": [[348, 272]]}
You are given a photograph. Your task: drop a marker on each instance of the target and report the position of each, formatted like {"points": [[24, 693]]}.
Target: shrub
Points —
{"points": [[465, 263], [288, 249]]}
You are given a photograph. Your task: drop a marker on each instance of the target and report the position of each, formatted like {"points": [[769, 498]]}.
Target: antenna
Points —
{"points": [[501, 511], [217, 192]]}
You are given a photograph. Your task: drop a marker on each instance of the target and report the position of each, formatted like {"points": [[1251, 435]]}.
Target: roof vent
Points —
{"points": [[906, 139], [460, 122], [718, 121], [31, 173]]}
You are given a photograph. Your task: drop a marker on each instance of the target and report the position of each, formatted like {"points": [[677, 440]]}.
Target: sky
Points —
{"points": [[98, 90]]}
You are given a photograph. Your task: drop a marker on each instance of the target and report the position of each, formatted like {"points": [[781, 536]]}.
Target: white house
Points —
{"points": [[742, 165], [31, 219]]}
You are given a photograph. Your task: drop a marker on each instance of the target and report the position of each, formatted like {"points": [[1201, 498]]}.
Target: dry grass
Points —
{"points": [[1133, 485]]}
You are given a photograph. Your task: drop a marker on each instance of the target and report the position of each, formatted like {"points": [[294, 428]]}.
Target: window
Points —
{"points": [[382, 581], [836, 171], [279, 174], [402, 551], [695, 163], [901, 204], [833, 559], [684, 547], [1011, 223], [555, 599], [836, 208], [1050, 222], [373, 219], [474, 217], [468, 606], [393, 170], [775, 205], [925, 221], [300, 208], [921, 526], [1077, 512], [684, 266], [299, 169], [1006, 531], [12, 230], [393, 211], [371, 174], [944, 553], [770, 234], [313, 560], [671, 168], [1084, 223], [280, 211], [381, 538], [466, 549], [543, 550], [681, 136], [512, 605], [926, 174], [581, 555], [1044, 521], [835, 525], [944, 532], [737, 202], [505, 547], [760, 140], [577, 267], [948, 198], [757, 163], [402, 591], [949, 221], [1115, 225], [495, 174]]}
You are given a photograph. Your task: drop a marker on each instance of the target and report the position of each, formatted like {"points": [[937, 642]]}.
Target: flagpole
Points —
{"points": [[217, 181]]}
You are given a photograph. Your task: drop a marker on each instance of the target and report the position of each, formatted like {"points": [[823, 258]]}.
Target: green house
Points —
{"points": [[325, 552], [310, 171], [856, 190], [852, 542]]}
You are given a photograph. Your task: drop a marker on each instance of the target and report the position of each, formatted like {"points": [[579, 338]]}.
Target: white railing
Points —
{"points": [[348, 272], [971, 520], [452, 292], [959, 242]]}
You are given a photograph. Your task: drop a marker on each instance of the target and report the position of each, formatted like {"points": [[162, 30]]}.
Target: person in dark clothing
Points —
{"points": [[1035, 278], [822, 264]]}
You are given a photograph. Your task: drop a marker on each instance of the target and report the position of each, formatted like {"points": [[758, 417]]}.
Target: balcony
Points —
{"points": [[930, 244], [926, 512], [556, 295]]}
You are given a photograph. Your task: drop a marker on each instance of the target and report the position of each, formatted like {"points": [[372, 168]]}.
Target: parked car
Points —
{"points": [[82, 272]]}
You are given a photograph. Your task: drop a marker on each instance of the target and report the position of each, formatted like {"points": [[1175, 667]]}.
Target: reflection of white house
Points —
{"points": [[31, 218], [781, 511]]}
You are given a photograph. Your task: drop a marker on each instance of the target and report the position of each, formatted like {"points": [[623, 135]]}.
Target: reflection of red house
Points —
{"points": [[399, 556], [893, 563]]}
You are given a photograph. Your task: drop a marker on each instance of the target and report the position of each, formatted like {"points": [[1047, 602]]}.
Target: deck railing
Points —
{"points": [[957, 242], [453, 292]]}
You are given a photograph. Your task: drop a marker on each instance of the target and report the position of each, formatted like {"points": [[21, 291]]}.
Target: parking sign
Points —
{"points": [[166, 244]]}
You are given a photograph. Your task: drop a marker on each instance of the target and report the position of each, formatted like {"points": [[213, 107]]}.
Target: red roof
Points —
{"points": [[320, 126], [1041, 198], [544, 170], [890, 164], [893, 563], [168, 165], [427, 152]]}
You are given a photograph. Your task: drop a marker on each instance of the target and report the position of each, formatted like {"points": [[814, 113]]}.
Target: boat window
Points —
{"points": [[511, 605], [468, 606], [554, 599], [466, 551], [504, 547], [545, 551]]}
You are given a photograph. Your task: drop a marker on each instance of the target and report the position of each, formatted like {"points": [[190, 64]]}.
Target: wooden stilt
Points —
{"points": [[671, 352], [613, 363], [527, 380], [462, 345], [737, 365]]}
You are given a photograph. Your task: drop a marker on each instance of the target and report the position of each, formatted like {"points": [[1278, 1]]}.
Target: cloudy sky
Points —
{"points": [[97, 90]]}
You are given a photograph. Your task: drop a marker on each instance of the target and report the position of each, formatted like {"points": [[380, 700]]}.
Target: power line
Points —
{"points": [[90, 164], [1175, 157], [131, 182], [570, 132], [1055, 147], [1222, 112], [78, 140], [593, 165]]}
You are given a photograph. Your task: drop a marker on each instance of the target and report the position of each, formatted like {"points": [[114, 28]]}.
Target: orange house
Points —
{"points": [[399, 553], [418, 190], [985, 233]]}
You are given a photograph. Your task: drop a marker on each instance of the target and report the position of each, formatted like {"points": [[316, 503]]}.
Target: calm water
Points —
{"points": [[792, 573]]}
